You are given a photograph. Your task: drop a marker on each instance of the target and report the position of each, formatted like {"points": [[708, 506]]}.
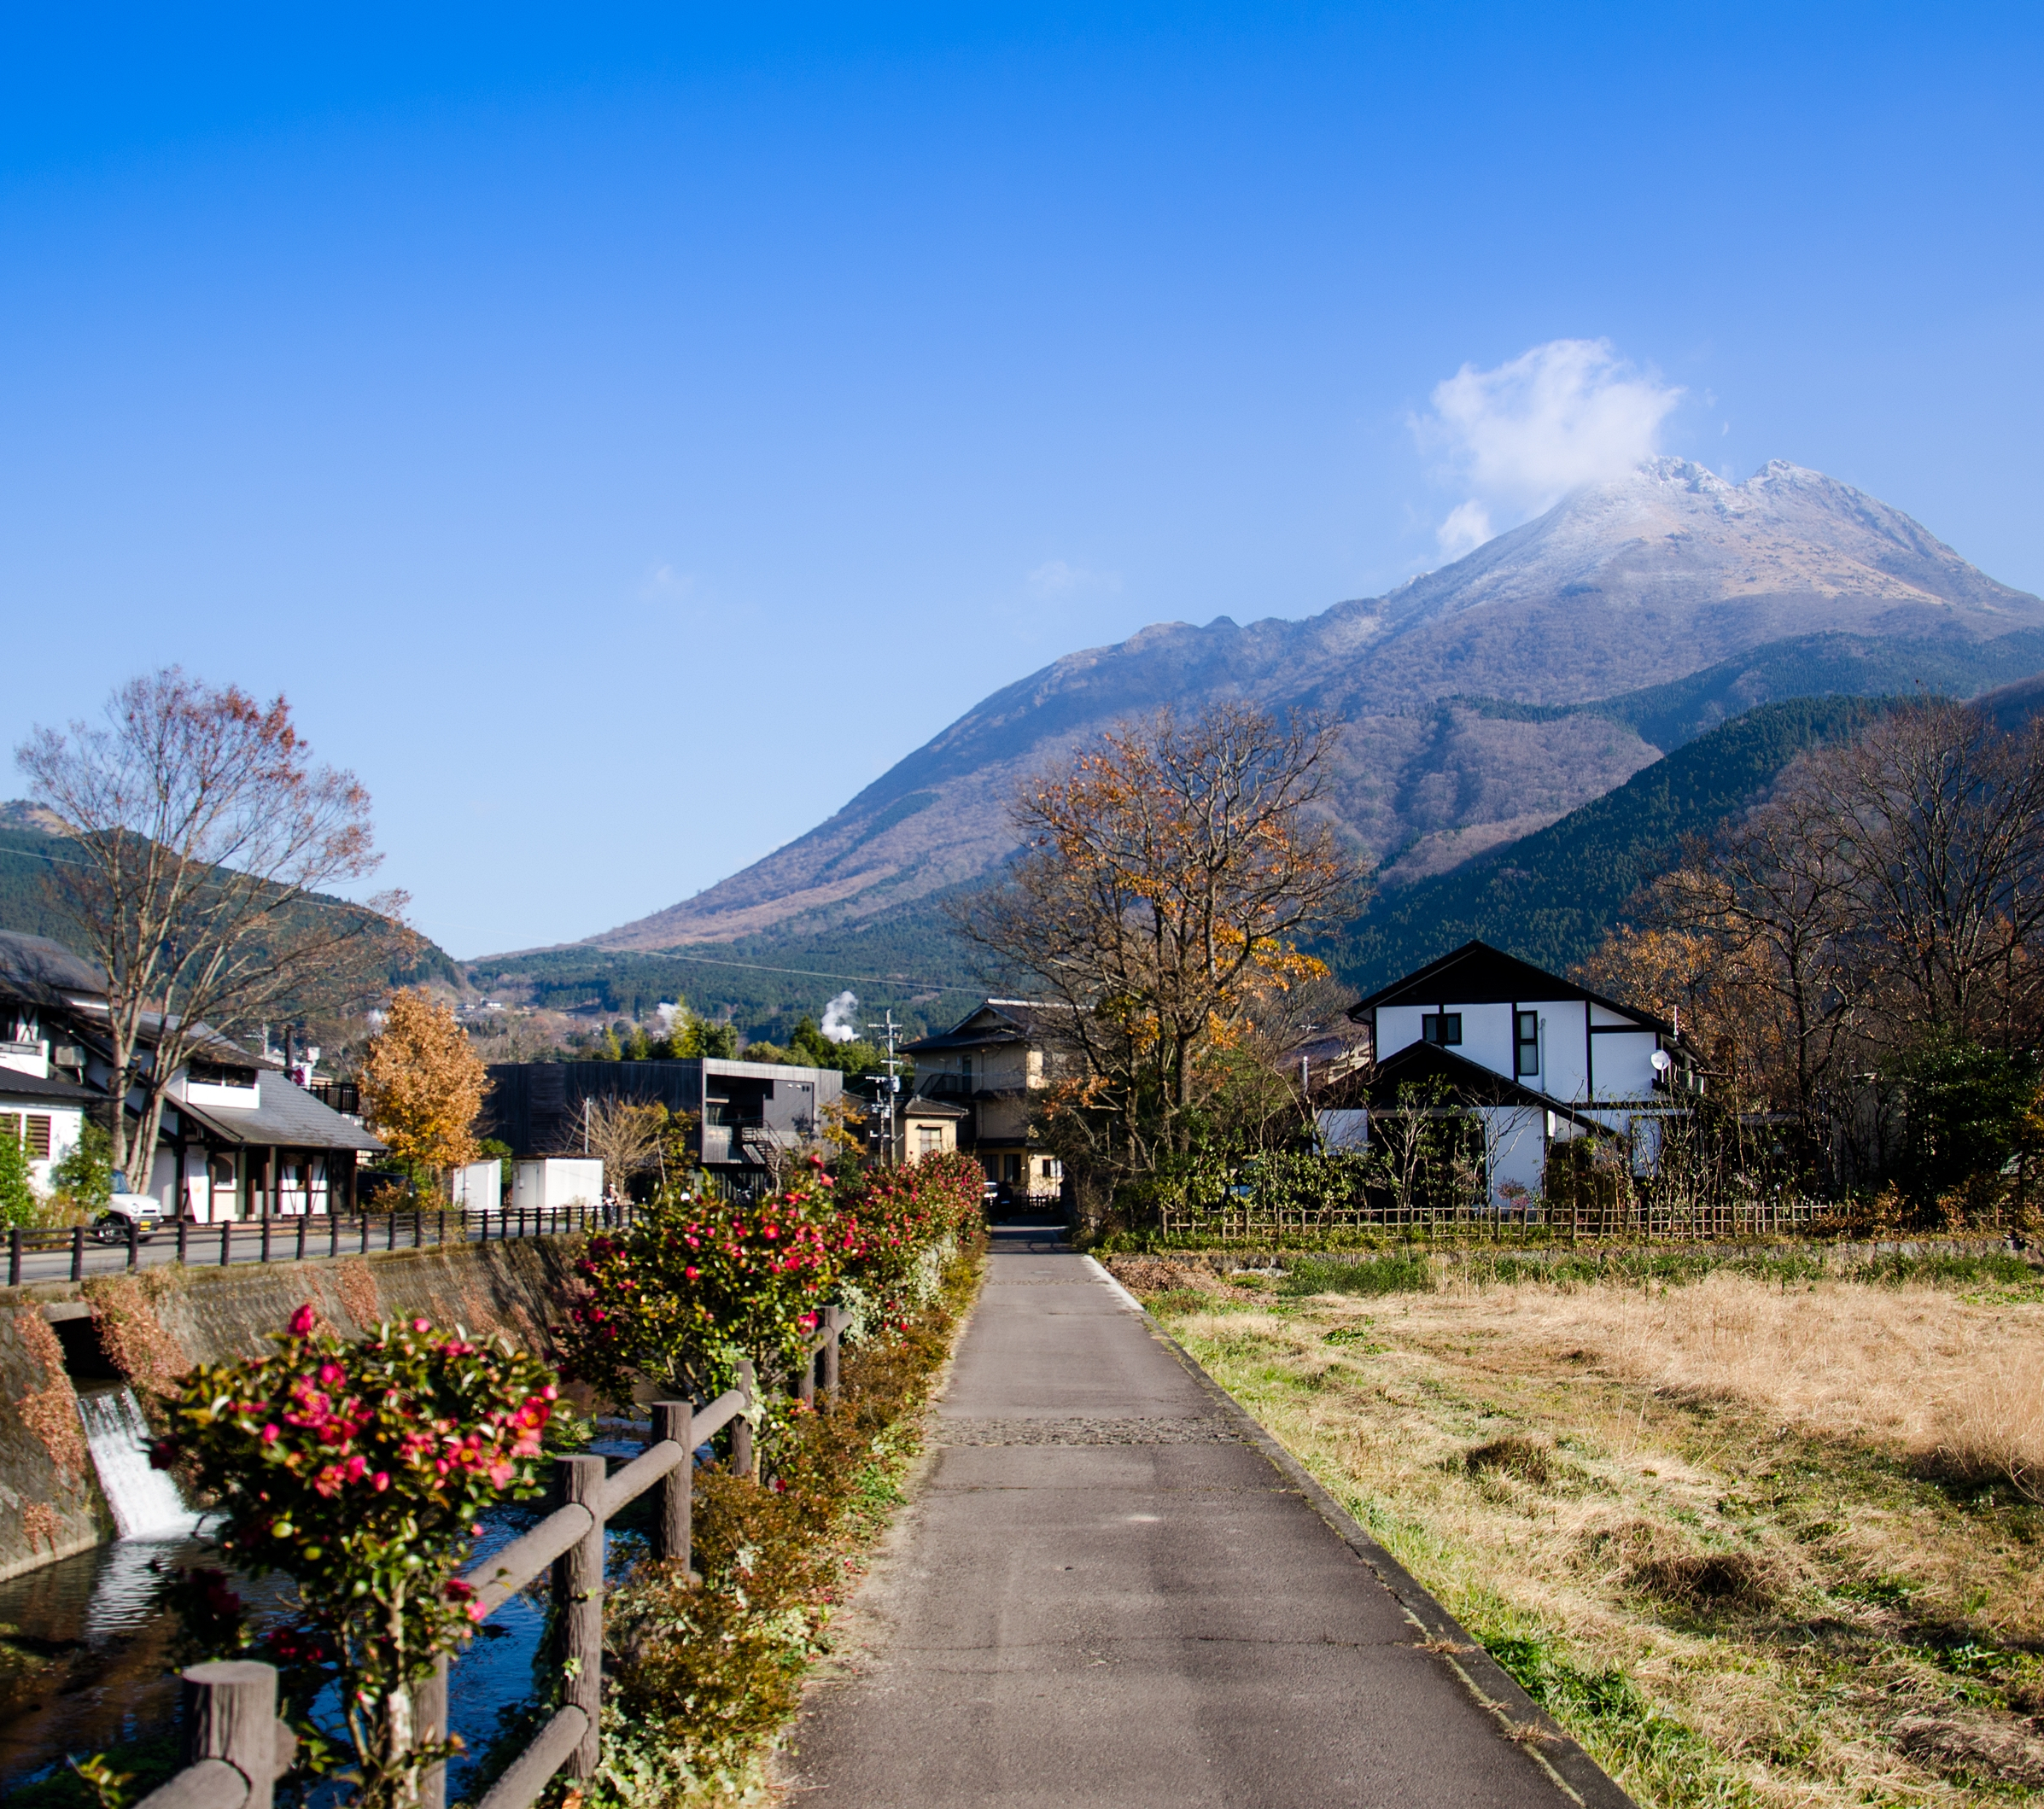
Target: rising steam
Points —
{"points": [[840, 1017]]}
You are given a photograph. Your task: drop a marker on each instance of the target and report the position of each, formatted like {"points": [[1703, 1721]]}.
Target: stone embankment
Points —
{"points": [[148, 1327]]}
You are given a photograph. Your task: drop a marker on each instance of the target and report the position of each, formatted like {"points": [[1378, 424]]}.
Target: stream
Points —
{"points": [[95, 1647]]}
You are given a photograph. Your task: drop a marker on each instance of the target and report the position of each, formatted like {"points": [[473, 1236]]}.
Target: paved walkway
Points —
{"points": [[1111, 1590]]}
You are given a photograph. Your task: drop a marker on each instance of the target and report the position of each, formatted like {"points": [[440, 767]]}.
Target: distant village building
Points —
{"points": [[986, 1066], [240, 1137], [752, 1114], [1537, 1059]]}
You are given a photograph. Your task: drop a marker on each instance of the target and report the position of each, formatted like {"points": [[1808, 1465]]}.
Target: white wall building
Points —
{"points": [[1537, 1059]]}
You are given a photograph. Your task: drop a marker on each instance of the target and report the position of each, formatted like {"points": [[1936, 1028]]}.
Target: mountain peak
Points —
{"points": [[1662, 572]]}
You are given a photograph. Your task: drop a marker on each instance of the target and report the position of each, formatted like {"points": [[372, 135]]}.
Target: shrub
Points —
{"points": [[695, 1286], [83, 1179], [18, 1200], [360, 1471], [1384, 1275]]}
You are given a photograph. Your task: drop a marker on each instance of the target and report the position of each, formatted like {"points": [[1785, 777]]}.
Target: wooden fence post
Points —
{"points": [[231, 1715], [226, 1242], [744, 1450], [134, 1244], [833, 1320], [77, 1252], [430, 1727], [578, 1582], [183, 1227], [674, 1526], [14, 1257], [333, 1228]]}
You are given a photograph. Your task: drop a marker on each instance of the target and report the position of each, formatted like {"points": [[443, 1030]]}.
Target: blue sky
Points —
{"points": [[624, 434]]}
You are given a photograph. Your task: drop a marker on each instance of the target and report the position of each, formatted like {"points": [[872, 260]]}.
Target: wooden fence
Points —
{"points": [[1645, 1221], [234, 1747], [293, 1239]]}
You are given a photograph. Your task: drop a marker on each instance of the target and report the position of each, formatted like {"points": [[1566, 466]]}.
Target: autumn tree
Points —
{"points": [[1168, 874], [422, 1087], [201, 833]]}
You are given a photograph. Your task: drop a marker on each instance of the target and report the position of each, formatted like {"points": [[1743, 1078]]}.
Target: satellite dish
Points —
{"points": [[1663, 1061]]}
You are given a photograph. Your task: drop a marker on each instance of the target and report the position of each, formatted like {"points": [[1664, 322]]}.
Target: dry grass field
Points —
{"points": [[1755, 1539]]}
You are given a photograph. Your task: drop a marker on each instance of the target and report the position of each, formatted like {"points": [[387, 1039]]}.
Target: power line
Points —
{"points": [[701, 960], [807, 973]]}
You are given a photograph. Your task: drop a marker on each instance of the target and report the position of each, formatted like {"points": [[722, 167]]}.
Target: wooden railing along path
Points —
{"points": [[298, 1237], [229, 1708], [1594, 1222]]}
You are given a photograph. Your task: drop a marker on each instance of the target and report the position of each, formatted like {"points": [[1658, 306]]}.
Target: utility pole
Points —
{"points": [[889, 1082]]}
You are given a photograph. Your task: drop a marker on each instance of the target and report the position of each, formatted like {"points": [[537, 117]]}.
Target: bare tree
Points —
{"points": [[202, 832], [628, 1135], [1168, 873]]}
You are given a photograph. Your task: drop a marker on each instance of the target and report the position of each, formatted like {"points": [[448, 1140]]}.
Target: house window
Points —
{"points": [[965, 1072], [1529, 1044], [31, 1132], [1442, 1027], [929, 1140]]}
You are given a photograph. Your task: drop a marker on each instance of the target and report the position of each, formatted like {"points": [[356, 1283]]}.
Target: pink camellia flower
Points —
{"points": [[422, 1325], [332, 1375], [301, 1321], [477, 1612], [270, 1433], [382, 1479]]}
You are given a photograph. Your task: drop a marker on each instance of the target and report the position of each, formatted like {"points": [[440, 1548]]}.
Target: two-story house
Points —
{"points": [[1537, 1059], [989, 1062], [240, 1140]]}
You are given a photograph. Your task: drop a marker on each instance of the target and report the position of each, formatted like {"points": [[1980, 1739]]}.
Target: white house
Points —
{"points": [[43, 1111], [1537, 1059]]}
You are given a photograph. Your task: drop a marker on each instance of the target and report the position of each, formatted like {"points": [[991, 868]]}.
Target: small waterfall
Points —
{"points": [[145, 1502]]}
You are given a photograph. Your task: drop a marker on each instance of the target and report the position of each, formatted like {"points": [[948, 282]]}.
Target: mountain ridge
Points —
{"points": [[1667, 571]]}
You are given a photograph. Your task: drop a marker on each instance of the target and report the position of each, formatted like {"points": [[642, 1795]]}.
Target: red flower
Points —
{"points": [[301, 1321]]}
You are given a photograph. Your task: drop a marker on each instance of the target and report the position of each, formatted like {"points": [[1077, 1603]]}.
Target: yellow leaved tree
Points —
{"points": [[422, 1087]]}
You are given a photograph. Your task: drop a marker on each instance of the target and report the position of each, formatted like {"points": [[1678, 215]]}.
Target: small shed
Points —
{"points": [[547, 1183]]}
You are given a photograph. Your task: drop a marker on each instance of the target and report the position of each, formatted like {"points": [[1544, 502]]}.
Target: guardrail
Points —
{"points": [[298, 1237], [228, 1706]]}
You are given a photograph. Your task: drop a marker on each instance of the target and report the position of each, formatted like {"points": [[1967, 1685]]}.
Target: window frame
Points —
{"points": [[1523, 1043], [1434, 1028]]}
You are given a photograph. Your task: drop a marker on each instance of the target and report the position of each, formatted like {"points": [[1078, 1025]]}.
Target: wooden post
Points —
{"points": [[265, 1234], [226, 1242], [231, 1715], [674, 1528], [440, 1237], [362, 1224], [14, 1257], [833, 1321], [77, 1252], [134, 1244], [578, 1582], [805, 1382], [304, 1224], [745, 1451], [430, 1727], [184, 1228]]}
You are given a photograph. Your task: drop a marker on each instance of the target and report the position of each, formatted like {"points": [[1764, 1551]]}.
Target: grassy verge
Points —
{"points": [[1731, 1533]]}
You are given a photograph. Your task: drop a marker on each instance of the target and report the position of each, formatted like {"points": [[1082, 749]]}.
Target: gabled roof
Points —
{"points": [[50, 1090], [1478, 974], [34, 967], [1469, 1081], [288, 1117], [993, 1022]]}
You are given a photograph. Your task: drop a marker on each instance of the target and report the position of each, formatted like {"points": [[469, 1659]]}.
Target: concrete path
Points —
{"points": [[1111, 1589]]}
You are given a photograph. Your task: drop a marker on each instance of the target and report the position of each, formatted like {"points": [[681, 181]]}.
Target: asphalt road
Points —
{"points": [[1111, 1589]]}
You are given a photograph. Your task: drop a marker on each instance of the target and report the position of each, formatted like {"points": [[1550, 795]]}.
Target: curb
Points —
{"points": [[1494, 1690]]}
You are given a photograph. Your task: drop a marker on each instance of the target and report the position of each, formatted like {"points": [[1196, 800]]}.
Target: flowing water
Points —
{"points": [[145, 1502], [86, 1646]]}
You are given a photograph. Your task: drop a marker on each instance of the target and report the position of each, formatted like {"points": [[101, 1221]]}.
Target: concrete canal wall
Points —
{"points": [[148, 1328]]}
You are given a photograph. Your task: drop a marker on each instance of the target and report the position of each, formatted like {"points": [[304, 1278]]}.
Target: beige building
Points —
{"points": [[988, 1064]]}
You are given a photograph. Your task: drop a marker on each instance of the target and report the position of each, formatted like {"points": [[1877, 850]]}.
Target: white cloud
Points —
{"points": [[1055, 578], [1523, 435]]}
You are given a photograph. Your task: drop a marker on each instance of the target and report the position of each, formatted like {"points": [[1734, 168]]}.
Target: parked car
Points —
{"points": [[140, 1210]]}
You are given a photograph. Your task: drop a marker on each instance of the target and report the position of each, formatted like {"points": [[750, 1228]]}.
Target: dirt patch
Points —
{"points": [[1160, 1275]]}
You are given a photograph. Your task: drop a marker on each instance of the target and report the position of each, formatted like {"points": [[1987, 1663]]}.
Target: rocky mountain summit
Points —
{"points": [[1462, 692]]}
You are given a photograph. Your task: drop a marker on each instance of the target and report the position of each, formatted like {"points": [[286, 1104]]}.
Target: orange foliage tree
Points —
{"points": [[422, 1086], [1168, 874]]}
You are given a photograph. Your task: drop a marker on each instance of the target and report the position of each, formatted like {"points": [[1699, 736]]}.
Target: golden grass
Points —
{"points": [[1713, 1517]]}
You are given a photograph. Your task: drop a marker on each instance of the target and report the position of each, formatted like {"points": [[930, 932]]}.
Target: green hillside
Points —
{"points": [[28, 904], [1809, 666], [911, 962], [1549, 897]]}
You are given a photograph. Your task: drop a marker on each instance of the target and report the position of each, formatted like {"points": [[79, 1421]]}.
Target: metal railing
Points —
{"points": [[228, 1765], [1595, 1221], [295, 1238]]}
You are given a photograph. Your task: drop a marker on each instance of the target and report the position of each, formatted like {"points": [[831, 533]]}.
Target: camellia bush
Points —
{"points": [[696, 1287], [358, 1470]]}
